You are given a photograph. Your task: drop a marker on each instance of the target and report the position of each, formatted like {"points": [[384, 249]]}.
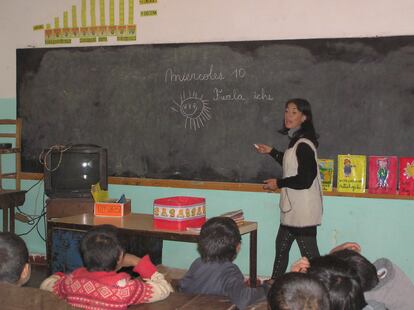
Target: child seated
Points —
{"points": [[340, 280], [384, 284], [98, 285], [296, 290], [14, 260], [214, 272], [15, 272], [384, 281]]}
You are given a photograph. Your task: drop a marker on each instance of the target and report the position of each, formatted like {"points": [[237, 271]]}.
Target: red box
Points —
{"points": [[112, 208], [179, 213]]}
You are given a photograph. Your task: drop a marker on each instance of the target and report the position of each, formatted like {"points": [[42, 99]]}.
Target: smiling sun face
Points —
{"points": [[191, 107], [194, 108]]}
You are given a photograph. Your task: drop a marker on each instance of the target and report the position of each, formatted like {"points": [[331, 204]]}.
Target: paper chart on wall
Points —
{"points": [[97, 22]]}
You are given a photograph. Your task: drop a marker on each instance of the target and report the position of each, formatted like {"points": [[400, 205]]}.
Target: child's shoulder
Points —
{"points": [[199, 261], [108, 278], [224, 267], [231, 267], [199, 265]]}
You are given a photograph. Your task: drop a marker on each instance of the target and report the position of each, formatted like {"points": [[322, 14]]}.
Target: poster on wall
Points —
{"points": [[96, 22]]}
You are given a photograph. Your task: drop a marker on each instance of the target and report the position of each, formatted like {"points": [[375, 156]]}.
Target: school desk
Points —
{"points": [[142, 224]]}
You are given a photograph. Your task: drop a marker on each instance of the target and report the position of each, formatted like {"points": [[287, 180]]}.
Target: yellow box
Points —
{"points": [[112, 208]]}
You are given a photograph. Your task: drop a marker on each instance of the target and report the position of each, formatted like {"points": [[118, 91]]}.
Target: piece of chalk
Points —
{"points": [[256, 146]]}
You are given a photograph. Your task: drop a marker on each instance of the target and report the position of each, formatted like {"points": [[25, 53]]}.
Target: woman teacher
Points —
{"points": [[300, 190]]}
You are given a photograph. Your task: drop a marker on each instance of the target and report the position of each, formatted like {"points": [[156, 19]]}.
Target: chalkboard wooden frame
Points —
{"points": [[230, 186], [359, 88]]}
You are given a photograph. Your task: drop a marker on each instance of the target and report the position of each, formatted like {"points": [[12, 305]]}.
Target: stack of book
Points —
{"points": [[236, 215]]}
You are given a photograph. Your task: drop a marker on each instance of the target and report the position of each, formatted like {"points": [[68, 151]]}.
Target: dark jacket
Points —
{"points": [[224, 279]]}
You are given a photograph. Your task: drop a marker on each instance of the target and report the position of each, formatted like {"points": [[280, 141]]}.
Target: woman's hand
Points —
{"points": [[263, 148], [270, 184]]}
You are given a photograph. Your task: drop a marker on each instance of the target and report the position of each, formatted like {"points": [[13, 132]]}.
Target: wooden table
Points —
{"points": [[142, 224], [10, 199]]}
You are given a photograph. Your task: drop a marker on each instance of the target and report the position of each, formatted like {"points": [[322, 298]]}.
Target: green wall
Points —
{"points": [[381, 226]]}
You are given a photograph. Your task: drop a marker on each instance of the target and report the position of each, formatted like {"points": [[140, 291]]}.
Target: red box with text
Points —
{"points": [[112, 208], [179, 212]]}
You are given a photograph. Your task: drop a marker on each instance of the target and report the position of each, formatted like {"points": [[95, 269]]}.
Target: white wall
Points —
{"points": [[211, 20]]}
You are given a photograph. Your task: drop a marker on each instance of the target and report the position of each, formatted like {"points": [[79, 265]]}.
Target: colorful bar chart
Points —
{"points": [[92, 27]]}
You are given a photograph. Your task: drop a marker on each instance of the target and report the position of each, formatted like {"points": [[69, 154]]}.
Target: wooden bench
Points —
{"points": [[181, 301], [188, 302]]}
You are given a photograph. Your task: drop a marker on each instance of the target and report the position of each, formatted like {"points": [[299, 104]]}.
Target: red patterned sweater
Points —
{"points": [[111, 290]]}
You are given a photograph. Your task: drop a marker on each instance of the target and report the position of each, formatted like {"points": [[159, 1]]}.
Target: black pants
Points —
{"points": [[306, 239]]}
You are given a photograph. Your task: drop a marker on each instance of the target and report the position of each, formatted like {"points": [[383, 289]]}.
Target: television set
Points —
{"points": [[70, 171]]}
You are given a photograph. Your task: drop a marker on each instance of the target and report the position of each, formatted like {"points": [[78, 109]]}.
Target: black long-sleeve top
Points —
{"points": [[307, 167]]}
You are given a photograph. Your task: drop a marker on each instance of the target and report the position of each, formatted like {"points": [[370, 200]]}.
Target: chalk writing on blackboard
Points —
{"points": [[172, 76], [262, 95], [233, 95], [194, 108]]}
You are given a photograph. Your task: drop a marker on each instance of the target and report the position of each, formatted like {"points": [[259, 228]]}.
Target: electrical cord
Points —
{"points": [[31, 187], [44, 222], [31, 218], [34, 226], [34, 220], [45, 154]]}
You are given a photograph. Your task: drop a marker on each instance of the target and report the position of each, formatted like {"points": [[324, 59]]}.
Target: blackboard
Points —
{"points": [[194, 111]]}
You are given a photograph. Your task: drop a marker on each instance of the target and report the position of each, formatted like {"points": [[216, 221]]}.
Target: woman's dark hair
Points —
{"points": [[365, 270], [101, 248], [307, 130], [341, 282], [13, 257], [218, 241], [294, 291]]}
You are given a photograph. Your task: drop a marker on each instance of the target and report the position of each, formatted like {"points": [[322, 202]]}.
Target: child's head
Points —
{"points": [[14, 259], [365, 270], [101, 249], [219, 240], [340, 280], [298, 291]]}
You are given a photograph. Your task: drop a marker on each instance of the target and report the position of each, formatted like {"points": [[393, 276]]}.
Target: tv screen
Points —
{"points": [[71, 172]]}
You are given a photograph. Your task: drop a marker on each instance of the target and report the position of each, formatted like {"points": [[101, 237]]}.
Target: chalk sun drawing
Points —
{"points": [[193, 108]]}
